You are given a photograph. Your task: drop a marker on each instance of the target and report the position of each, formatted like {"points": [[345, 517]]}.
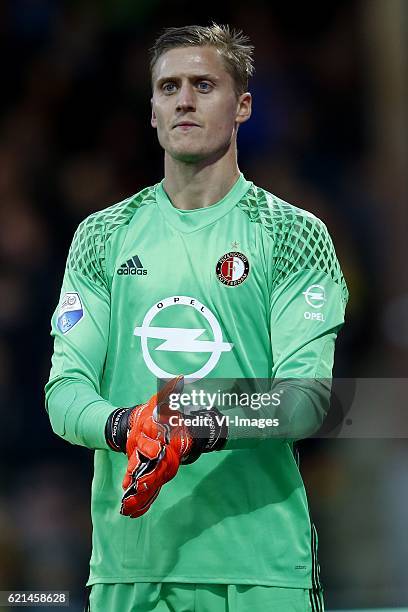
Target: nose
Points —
{"points": [[186, 98]]}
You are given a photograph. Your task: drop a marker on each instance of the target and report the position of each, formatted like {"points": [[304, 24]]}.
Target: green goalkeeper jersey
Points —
{"points": [[248, 288]]}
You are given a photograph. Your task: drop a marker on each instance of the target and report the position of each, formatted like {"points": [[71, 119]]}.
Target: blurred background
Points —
{"points": [[328, 133]]}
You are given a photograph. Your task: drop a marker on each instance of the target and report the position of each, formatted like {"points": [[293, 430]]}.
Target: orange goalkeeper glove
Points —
{"points": [[156, 440]]}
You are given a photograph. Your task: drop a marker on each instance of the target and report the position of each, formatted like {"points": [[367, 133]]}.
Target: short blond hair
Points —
{"points": [[233, 45]]}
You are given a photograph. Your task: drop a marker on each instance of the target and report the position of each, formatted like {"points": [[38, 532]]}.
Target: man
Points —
{"points": [[203, 276]]}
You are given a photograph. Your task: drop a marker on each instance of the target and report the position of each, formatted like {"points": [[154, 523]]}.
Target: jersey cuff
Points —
{"points": [[78, 414], [91, 425]]}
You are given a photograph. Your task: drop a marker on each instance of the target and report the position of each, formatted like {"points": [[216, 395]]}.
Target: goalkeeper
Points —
{"points": [[204, 276]]}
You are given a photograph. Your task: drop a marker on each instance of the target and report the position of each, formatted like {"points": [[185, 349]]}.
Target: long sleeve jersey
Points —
{"points": [[247, 288]]}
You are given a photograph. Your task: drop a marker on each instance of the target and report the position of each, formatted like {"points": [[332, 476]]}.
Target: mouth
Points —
{"points": [[186, 125]]}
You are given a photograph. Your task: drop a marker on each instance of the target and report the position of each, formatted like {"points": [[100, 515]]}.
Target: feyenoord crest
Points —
{"points": [[232, 268]]}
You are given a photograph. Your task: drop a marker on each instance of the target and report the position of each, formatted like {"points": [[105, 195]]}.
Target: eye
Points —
{"points": [[204, 86], [169, 87]]}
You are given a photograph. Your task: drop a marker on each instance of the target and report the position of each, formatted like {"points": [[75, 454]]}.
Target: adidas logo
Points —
{"points": [[132, 266]]}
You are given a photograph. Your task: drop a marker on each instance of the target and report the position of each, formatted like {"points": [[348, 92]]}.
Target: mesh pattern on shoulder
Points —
{"points": [[87, 252], [301, 240]]}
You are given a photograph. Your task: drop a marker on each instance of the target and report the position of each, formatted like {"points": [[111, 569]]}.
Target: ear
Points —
{"points": [[153, 119], [244, 108]]}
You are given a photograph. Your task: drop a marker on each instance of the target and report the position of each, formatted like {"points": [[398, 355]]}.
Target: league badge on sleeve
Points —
{"points": [[232, 268], [70, 312]]}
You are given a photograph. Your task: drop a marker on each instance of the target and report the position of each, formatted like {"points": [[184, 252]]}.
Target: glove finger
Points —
{"points": [[141, 489], [175, 385], [141, 466], [155, 430], [135, 504], [148, 447], [134, 462], [156, 472], [170, 465], [145, 417], [127, 481]]}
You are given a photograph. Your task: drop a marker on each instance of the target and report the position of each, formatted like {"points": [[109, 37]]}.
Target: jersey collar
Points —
{"points": [[190, 220]]}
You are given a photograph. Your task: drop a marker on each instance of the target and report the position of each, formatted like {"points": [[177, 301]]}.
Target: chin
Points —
{"points": [[188, 156]]}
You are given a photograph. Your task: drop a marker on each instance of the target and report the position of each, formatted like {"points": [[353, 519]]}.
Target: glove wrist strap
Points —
{"points": [[116, 429], [209, 435]]}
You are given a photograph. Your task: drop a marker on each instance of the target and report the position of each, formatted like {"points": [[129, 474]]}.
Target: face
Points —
{"points": [[194, 106]]}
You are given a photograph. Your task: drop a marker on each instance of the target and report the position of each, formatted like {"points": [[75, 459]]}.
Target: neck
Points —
{"points": [[198, 185]]}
